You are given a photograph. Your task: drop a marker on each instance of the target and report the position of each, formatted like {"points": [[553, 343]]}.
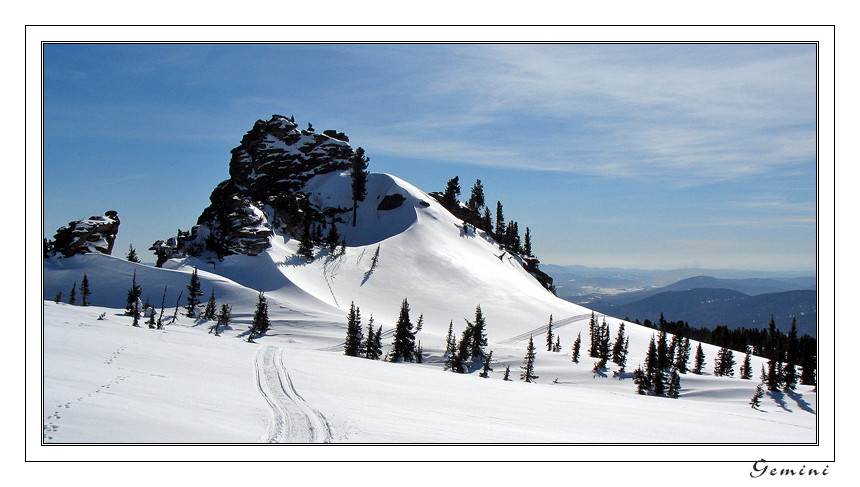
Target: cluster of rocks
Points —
{"points": [[94, 234], [268, 169]]}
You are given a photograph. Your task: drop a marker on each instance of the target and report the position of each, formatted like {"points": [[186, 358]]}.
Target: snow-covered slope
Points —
{"points": [[106, 381]]}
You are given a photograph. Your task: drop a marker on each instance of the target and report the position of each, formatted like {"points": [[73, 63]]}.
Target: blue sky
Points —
{"points": [[655, 156]]}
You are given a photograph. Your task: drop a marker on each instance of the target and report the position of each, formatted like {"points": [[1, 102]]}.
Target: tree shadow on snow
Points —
{"points": [[800, 401], [779, 398]]}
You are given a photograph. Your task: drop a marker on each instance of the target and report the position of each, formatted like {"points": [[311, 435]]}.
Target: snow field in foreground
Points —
{"points": [[108, 382]]}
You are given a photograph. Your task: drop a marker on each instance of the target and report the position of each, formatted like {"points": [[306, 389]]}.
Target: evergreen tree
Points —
{"points": [[419, 352], [746, 368], [486, 369], [159, 324], [306, 243], [210, 309], [452, 192], [808, 359], [622, 362], [73, 294], [755, 402], [618, 347], [594, 336], [222, 319], [133, 296], [478, 336], [674, 389], [527, 243], [724, 364], [790, 371], [260, 322], [85, 291], [773, 381], [476, 201], [527, 370], [574, 354], [699, 361], [176, 309], [507, 373], [460, 360], [194, 293], [682, 356], [420, 323], [358, 163], [663, 359], [403, 348], [651, 361], [450, 345], [58, 297], [643, 383], [499, 234], [603, 349], [557, 347], [486, 222], [151, 321], [549, 338], [132, 255], [333, 238], [352, 344], [374, 341]]}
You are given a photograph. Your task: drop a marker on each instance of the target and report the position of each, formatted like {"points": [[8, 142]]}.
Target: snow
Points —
{"points": [[108, 382]]}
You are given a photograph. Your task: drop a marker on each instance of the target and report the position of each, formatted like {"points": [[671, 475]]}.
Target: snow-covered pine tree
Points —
{"points": [[773, 379], [131, 256], [260, 322], [85, 291], [651, 361], [478, 336], [557, 346], [594, 336], [527, 370], [674, 384], [133, 295], [403, 348], [755, 402], [618, 346], [527, 243], [790, 371], [159, 325], [724, 364], [73, 293], [486, 369], [450, 346], [150, 322], [58, 297], [549, 338], [332, 239], [499, 234], [574, 354], [210, 309], [746, 367], [352, 344], [640, 378], [682, 356], [603, 349], [306, 242], [699, 361], [452, 192], [663, 359], [221, 319], [194, 293], [358, 163], [507, 373]]}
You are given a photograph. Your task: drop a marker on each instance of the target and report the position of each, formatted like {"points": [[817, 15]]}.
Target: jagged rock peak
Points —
{"points": [[268, 170], [94, 234]]}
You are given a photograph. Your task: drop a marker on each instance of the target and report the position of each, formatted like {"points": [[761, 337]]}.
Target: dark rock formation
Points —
{"points": [[391, 201], [268, 169], [95, 234], [531, 265]]}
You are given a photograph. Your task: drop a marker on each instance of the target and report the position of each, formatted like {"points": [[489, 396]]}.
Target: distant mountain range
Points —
{"points": [[702, 301]]}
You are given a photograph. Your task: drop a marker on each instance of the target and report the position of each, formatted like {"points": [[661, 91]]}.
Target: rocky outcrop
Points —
{"points": [[95, 234], [391, 201], [268, 169]]}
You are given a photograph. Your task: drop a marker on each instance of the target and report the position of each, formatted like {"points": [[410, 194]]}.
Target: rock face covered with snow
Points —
{"points": [[95, 234], [267, 172]]}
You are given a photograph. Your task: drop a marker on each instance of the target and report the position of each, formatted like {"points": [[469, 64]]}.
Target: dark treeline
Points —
{"points": [[753, 340]]}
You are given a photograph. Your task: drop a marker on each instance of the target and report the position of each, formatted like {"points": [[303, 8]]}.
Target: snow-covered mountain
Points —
{"points": [[106, 381]]}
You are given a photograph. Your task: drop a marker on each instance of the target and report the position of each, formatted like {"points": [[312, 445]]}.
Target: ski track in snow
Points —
{"points": [[293, 420], [555, 325]]}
